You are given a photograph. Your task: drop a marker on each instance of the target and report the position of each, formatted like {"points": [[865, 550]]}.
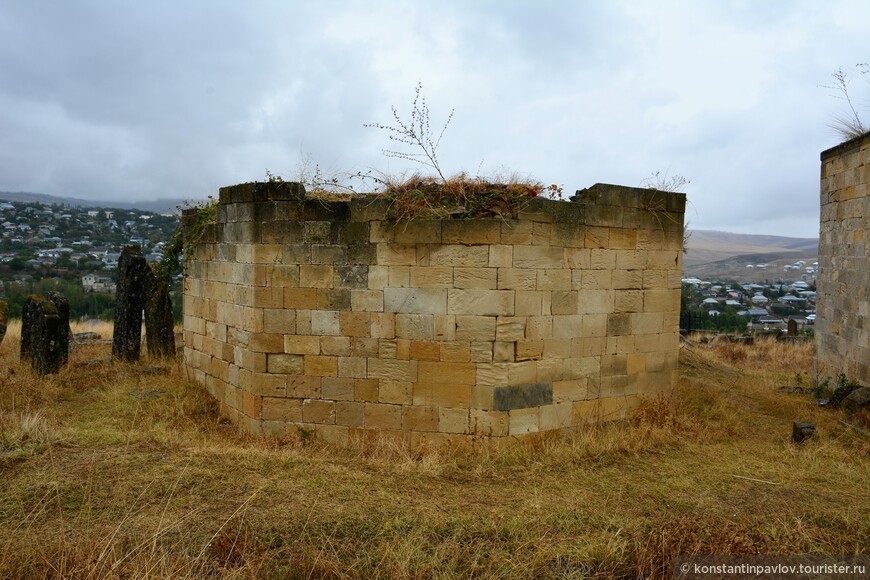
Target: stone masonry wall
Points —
{"points": [[322, 315], [843, 299]]}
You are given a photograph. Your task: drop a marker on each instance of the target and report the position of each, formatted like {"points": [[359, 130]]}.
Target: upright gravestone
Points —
{"points": [[27, 313], [159, 326], [62, 305], [46, 342], [4, 315], [129, 304], [792, 327]]}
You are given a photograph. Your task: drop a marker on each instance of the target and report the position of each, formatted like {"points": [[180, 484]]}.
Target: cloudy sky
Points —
{"points": [[136, 100]]}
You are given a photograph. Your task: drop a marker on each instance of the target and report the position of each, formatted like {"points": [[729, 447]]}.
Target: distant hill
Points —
{"points": [[713, 254], [161, 206]]}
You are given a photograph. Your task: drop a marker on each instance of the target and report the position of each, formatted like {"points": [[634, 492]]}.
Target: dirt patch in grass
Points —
{"points": [[112, 471]]}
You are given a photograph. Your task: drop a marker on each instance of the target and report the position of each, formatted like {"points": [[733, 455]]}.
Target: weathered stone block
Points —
{"points": [[481, 302], [512, 397]]}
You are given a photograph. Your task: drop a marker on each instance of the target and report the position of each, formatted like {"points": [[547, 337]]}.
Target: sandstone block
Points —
{"points": [[396, 254], [415, 326], [459, 256], [399, 276], [383, 416], [447, 372], [354, 324], [366, 390], [395, 392], [267, 385], [282, 409], [325, 322], [318, 411], [416, 300], [454, 351], [471, 232], [528, 303], [335, 346], [553, 280], [501, 256], [321, 366], [480, 351], [354, 367], [379, 277], [523, 421], [316, 276], [337, 388], [418, 418], [383, 325], [431, 276], [392, 370], [441, 394], [266, 342], [300, 298], [480, 302], [453, 420], [517, 279], [288, 364], [489, 423], [475, 278], [539, 257], [425, 350], [557, 416], [516, 232], [350, 414]]}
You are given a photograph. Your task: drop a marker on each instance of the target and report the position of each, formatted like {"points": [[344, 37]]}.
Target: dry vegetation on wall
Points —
{"points": [[425, 196], [118, 471]]}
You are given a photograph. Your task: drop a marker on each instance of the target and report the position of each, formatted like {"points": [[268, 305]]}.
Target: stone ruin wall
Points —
{"points": [[843, 289], [322, 315]]}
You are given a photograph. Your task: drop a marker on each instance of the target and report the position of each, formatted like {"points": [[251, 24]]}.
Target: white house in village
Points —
{"points": [[100, 284]]}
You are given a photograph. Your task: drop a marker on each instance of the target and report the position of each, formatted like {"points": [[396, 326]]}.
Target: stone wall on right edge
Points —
{"points": [[843, 299]]}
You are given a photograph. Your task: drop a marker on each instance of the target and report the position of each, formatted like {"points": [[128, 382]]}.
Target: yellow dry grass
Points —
{"points": [[111, 471]]}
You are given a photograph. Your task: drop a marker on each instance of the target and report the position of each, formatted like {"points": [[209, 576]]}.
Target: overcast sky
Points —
{"points": [[135, 100]]}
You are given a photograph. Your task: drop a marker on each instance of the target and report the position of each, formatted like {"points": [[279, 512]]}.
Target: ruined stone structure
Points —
{"points": [[843, 299], [304, 313]]}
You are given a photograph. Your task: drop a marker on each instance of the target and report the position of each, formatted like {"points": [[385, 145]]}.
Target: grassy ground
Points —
{"points": [[109, 470]]}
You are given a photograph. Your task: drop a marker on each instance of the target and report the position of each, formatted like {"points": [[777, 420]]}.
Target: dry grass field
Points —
{"points": [[112, 470]]}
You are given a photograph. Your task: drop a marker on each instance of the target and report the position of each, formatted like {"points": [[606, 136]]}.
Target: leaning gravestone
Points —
{"points": [[62, 304], [129, 304], [4, 315], [159, 326], [46, 337]]}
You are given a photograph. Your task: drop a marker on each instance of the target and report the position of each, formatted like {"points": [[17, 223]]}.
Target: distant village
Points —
{"points": [[768, 306], [45, 246]]}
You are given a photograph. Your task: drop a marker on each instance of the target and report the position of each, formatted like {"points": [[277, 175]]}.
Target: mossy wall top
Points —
{"points": [[324, 315]]}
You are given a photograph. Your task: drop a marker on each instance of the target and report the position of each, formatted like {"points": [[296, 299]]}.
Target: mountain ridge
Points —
{"points": [[161, 206]]}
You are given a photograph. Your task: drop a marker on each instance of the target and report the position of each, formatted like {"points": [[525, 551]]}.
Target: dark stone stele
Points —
{"points": [[4, 317], [129, 304], [27, 313], [62, 304], [523, 396], [800, 432], [159, 325], [46, 337]]}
